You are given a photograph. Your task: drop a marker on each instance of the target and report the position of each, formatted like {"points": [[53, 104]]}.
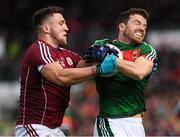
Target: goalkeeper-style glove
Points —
{"points": [[97, 53], [107, 67]]}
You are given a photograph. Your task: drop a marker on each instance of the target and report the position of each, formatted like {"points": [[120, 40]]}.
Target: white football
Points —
{"points": [[114, 47], [120, 55]]}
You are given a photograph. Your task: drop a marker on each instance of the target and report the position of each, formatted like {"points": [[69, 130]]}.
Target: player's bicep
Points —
{"points": [[52, 72], [145, 65]]}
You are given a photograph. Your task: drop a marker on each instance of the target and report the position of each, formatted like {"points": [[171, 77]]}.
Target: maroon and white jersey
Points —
{"points": [[41, 101]]}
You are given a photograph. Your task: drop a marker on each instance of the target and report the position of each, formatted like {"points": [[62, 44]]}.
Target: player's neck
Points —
{"points": [[124, 39], [48, 40]]}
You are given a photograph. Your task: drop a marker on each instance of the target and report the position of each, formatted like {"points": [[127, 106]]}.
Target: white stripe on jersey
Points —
{"points": [[44, 47], [103, 127], [42, 52], [45, 53], [152, 55], [49, 54], [25, 91]]}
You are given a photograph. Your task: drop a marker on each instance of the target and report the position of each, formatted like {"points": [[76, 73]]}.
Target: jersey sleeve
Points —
{"points": [[148, 52], [39, 55], [151, 54], [76, 58]]}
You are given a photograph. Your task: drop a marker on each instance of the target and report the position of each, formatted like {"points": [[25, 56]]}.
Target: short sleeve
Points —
{"points": [[151, 54], [148, 52], [39, 55], [76, 58]]}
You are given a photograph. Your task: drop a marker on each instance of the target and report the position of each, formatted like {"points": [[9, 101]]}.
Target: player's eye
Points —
{"points": [[145, 26], [61, 22], [137, 22]]}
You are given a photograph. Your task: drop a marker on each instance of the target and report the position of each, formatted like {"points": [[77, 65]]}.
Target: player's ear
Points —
{"points": [[122, 27], [45, 28]]}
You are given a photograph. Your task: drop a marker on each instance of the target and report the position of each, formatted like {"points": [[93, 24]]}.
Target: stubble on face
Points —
{"points": [[59, 30], [135, 29], [59, 38]]}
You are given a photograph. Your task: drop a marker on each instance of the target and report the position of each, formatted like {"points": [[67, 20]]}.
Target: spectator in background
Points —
{"points": [[47, 71]]}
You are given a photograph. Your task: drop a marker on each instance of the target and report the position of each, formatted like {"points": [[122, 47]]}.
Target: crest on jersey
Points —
{"points": [[69, 60], [135, 54]]}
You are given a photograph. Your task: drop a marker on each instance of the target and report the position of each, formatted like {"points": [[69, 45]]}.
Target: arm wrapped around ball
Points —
{"points": [[107, 67], [97, 53]]}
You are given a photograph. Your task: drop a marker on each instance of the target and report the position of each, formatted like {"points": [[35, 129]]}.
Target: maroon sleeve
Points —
{"points": [[38, 55], [76, 58]]}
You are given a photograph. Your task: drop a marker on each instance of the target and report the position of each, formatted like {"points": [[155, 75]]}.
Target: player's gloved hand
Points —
{"points": [[107, 67], [97, 53]]}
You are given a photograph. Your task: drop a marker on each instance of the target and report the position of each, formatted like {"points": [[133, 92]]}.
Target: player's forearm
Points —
{"points": [[130, 69], [55, 73], [73, 76]]}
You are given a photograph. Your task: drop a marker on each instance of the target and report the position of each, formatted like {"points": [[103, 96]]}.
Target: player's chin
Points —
{"points": [[63, 43], [138, 40]]}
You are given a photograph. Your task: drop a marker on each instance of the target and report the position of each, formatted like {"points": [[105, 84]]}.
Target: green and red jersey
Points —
{"points": [[119, 95]]}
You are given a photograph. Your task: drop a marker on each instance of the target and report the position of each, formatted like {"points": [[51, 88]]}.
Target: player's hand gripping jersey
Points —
{"points": [[97, 53], [119, 95]]}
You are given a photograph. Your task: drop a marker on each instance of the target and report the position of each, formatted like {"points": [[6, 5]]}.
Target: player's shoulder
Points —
{"points": [[68, 52], [35, 45], [71, 56], [38, 48], [31, 51], [149, 51], [32, 47], [147, 47]]}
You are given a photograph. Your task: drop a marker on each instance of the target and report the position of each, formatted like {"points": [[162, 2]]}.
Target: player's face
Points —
{"points": [[135, 29], [58, 29]]}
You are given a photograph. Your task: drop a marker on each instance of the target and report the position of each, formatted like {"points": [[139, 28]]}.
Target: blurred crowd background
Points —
{"points": [[87, 21]]}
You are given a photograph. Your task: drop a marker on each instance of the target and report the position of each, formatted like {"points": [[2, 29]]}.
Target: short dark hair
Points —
{"points": [[40, 15], [124, 16]]}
